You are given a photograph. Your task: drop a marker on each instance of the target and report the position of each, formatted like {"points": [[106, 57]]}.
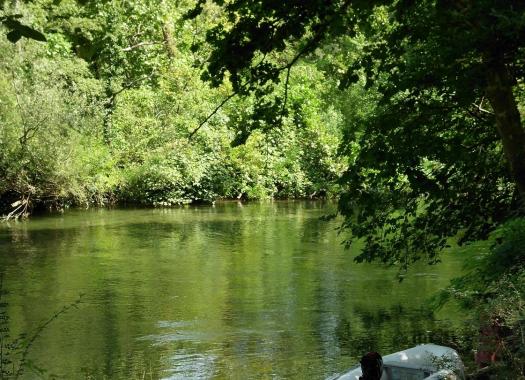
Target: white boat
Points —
{"points": [[423, 362]]}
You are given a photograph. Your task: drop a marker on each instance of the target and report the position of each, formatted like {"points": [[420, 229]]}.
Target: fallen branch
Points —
{"points": [[20, 210]]}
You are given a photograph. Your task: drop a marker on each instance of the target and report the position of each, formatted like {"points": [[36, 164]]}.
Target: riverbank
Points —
{"points": [[15, 207]]}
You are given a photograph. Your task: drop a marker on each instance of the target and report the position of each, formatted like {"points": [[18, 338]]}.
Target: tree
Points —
{"points": [[444, 152]]}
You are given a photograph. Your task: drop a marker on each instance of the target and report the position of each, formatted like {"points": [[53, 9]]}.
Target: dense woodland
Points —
{"points": [[112, 109], [409, 112]]}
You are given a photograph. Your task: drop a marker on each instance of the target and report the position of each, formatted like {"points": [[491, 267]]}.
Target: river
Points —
{"points": [[254, 291]]}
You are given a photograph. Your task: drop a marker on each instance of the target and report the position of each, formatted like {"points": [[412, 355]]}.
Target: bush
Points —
{"points": [[50, 152], [494, 291], [176, 174]]}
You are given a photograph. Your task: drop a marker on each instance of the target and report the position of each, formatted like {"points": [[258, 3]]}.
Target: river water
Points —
{"points": [[248, 291]]}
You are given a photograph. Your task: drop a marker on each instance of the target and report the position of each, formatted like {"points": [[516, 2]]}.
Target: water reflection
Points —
{"points": [[264, 290]]}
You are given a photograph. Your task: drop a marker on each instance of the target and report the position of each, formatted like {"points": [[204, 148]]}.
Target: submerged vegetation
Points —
{"points": [[411, 113]]}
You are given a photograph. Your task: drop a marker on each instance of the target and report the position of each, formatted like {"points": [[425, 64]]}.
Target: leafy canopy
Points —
{"points": [[434, 159]]}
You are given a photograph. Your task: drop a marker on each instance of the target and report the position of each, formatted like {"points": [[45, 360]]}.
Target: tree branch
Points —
{"points": [[141, 44], [224, 102], [286, 82], [125, 87], [309, 45], [211, 114], [480, 107]]}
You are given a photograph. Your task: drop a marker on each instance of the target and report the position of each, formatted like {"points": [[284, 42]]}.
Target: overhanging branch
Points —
{"points": [[306, 49], [211, 114]]}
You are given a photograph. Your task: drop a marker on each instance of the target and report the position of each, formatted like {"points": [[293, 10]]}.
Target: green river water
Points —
{"points": [[253, 291]]}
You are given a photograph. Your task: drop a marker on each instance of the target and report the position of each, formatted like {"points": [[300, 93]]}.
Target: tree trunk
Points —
{"points": [[109, 105], [508, 122], [167, 34]]}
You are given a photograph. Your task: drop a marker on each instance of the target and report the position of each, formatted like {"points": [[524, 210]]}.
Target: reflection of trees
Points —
{"points": [[390, 330], [265, 289]]}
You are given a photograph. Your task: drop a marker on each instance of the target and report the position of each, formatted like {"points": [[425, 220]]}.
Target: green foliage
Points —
{"points": [[440, 150], [410, 111], [494, 289], [506, 257], [49, 114], [102, 113], [173, 175], [430, 162]]}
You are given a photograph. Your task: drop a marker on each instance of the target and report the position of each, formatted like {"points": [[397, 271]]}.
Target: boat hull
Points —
{"points": [[426, 361]]}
